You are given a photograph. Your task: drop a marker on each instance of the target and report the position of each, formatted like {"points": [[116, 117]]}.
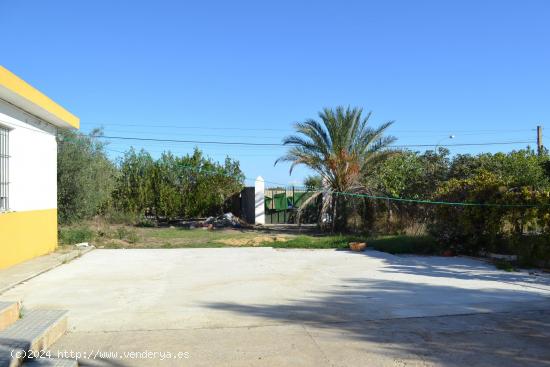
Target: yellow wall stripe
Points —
{"points": [[24, 235]]}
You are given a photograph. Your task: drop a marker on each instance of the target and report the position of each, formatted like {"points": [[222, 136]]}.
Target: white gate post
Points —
{"points": [[259, 200]]}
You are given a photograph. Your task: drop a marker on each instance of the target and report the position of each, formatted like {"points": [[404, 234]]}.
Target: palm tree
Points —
{"points": [[342, 149]]}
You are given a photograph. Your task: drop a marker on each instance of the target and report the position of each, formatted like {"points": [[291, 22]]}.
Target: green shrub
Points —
{"points": [[122, 233], [112, 245], [74, 235], [532, 250], [132, 237], [175, 187], [516, 221], [423, 245], [470, 229], [504, 265], [146, 223], [323, 242], [114, 216]]}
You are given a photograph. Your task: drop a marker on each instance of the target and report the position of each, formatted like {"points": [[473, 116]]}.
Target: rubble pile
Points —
{"points": [[224, 221]]}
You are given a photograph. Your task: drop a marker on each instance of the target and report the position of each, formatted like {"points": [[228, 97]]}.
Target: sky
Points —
{"points": [[245, 71]]}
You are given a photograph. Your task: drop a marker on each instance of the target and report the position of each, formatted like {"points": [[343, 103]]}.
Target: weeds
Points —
{"points": [[324, 242], [504, 265], [116, 237], [74, 235]]}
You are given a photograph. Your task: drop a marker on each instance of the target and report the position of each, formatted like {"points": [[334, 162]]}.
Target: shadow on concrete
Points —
{"points": [[101, 362], [456, 268], [488, 326], [11, 349]]}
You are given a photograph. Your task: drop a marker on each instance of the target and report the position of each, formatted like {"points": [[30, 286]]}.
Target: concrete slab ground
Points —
{"points": [[26, 270], [261, 306]]}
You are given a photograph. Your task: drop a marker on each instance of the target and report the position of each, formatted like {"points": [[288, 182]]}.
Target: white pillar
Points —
{"points": [[259, 200]]}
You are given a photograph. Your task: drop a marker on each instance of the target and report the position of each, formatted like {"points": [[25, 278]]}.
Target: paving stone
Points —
{"points": [[51, 362], [9, 313], [36, 331]]}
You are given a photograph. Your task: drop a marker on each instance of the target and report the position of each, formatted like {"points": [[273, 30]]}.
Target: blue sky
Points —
{"points": [[172, 69]]}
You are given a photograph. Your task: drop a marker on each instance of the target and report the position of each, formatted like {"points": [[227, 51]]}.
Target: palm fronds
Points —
{"points": [[341, 148]]}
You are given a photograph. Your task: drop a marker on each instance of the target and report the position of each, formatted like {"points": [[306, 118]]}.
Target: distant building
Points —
{"points": [[28, 169]]}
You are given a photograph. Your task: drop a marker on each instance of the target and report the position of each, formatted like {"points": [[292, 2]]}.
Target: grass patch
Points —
{"points": [[74, 235], [314, 242], [128, 235], [424, 245], [103, 235]]}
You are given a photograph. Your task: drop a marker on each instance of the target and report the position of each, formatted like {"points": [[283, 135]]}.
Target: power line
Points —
{"points": [[461, 131], [397, 199], [186, 141], [281, 144], [203, 127], [164, 134], [208, 153], [463, 144]]}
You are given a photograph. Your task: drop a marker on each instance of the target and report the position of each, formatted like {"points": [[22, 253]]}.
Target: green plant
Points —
{"points": [[323, 242], [121, 233], [117, 216], [504, 219], [342, 149], [425, 245], [85, 176], [132, 237], [504, 265], [410, 175], [74, 235], [174, 187], [470, 229], [146, 223], [112, 245]]}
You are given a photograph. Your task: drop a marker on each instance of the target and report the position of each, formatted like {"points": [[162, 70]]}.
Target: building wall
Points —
{"points": [[29, 229]]}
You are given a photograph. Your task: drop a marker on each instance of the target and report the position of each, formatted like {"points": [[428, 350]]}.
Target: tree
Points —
{"points": [[313, 183], [85, 176], [410, 175], [173, 187], [342, 149]]}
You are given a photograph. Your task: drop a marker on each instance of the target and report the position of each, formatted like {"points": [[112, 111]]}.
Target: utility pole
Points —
{"points": [[539, 139]]}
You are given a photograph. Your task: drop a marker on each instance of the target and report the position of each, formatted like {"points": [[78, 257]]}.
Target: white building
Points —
{"points": [[29, 121]]}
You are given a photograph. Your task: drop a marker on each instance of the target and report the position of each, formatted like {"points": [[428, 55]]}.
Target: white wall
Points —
{"points": [[259, 202], [33, 161]]}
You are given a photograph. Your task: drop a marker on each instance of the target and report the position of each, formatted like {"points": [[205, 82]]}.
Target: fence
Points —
{"points": [[282, 203]]}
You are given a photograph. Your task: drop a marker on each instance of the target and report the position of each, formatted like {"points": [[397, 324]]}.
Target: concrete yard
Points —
{"points": [[267, 307]]}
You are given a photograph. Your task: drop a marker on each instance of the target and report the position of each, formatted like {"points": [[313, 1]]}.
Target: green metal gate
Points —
{"points": [[282, 203]]}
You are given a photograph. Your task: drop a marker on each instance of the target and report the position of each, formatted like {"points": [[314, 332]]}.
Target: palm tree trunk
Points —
{"points": [[334, 211]]}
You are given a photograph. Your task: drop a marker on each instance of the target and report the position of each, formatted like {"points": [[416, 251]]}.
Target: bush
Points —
{"points": [[323, 242], [114, 216], [74, 235], [424, 245], [469, 229], [175, 187], [517, 219]]}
